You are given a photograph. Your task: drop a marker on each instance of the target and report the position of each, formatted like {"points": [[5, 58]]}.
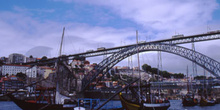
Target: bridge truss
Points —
{"points": [[171, 41], [204, 61]]}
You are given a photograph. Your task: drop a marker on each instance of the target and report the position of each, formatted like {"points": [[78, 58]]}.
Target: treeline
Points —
{"points": [[202, 77], [165, 74]]}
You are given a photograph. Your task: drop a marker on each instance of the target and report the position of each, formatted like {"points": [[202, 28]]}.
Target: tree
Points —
{"points": [[178, 75], [154, 70], [165, 74], [210, 77], [22, 76], [200, 77], [30, 56], [146, 68], [44, 58]]}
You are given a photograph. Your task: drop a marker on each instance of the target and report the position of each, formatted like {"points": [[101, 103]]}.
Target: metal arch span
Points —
{"points": [[204, 61]]}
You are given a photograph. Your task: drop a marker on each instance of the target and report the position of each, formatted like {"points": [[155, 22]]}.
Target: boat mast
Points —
{"points": [[187, 72], [204, 84], [159, 68], [61, 44], [57, 70], [139, 84]]}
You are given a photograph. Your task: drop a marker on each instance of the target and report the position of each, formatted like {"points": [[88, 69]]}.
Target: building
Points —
{"points": [[31, 72], [78, 62], [11, 83], [45, 71], [11, 69], [36, 71], [16, 58], [4, 60], [29, 59]]}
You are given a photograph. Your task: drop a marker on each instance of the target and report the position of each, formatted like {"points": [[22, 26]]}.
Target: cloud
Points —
{"points": [[26, 10], [163, 14], [22, 30], [39, 51]]}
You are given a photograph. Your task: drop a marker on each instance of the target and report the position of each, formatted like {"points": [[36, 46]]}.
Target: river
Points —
{"points": [[175, 105]]}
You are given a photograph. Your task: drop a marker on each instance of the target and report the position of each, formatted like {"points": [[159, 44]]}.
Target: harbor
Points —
{"points": [[175, 105], [71, 82], [109, 55]]}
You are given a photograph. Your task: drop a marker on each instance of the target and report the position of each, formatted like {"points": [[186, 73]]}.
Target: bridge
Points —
{"points": [[183, 85], [171, 41], [106, 51], [117, 54]]}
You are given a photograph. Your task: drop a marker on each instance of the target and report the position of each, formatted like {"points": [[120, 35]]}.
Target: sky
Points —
{"points": [[35, 27]]}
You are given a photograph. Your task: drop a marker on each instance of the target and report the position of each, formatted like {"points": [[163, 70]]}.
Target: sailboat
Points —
{"points": [[39, 104], [143, 102], [205, 101], [146, 103], [156, 102], [188, 99], [46, 98]]}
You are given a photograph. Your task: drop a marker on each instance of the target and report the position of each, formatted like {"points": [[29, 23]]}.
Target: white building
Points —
{"points": [[39, 70], [45, 71], [31, 72], [13, 69]]}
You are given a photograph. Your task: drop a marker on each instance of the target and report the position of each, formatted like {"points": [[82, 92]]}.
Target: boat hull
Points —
{"points": [[128, 105], [37, 106], [159, 106], [205, 102], [189, 102]]}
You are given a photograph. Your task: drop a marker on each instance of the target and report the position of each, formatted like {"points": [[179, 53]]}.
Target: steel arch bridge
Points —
{"points": [[204, 61]]}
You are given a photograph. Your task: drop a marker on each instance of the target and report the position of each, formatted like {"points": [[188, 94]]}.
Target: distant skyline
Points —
{"points": [[35, 27]]}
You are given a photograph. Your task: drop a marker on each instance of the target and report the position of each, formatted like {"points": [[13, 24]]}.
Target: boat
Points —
{"points": [[47, 98], [154, 102], [144, 105], [205, 101], [188, 99], [157, 106], [35, 105], [144, 100], [129, 105]]}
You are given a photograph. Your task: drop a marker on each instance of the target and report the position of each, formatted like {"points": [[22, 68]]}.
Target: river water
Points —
{"points": [[175, 105]]}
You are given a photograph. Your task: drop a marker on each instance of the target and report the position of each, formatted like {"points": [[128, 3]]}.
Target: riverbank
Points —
{"points": [[175, 105]]}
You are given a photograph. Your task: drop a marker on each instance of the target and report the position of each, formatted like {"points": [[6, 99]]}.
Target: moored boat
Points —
{"points": [[189, 100], [143, 94], [47, 98], [34, 105], [157, 106], [206, 102], [129, 105]]}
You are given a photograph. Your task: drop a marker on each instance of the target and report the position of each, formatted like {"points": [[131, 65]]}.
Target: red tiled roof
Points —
{"points": [[16, 65], [45, 67]]}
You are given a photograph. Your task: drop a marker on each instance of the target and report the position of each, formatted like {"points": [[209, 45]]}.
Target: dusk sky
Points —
{"points": [[34, 27]]}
